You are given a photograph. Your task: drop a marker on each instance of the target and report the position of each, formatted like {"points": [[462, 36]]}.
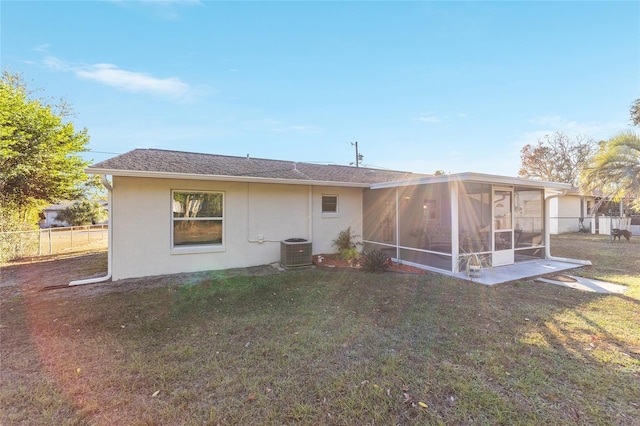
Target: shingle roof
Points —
{"points": [[159, 162]]}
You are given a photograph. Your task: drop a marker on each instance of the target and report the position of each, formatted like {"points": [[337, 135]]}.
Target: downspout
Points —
{"points": [[547, 235], [107, 277], [310, 210], [455, 227]]}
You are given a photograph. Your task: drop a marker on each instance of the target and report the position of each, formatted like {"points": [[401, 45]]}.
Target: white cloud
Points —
{"points": [[135, 82], [56, 64], [42, 48], [555, 123], [428, 118]]}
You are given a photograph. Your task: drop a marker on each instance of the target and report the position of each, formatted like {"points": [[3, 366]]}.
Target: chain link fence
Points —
{"points": [[19, 244]]}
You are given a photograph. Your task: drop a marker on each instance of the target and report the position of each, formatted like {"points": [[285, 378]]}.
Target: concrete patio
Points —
{"points": [[519, 271]]}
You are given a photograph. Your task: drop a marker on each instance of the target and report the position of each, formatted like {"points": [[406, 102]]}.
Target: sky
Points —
{"points": [[421, 86]]}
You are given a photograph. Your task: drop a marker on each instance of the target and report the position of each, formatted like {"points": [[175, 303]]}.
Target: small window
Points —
{"points": [[330, 204], [197, 219], [430, 211]]}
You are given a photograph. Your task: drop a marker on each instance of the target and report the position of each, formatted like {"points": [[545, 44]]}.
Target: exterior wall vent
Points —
{"points": [[295, 252]]}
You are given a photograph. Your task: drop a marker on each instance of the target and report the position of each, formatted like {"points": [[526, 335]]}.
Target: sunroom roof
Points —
{"points": [[473, 177]]}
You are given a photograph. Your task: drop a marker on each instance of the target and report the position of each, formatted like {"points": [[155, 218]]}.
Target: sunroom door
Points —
{"points": [[503, 253]]}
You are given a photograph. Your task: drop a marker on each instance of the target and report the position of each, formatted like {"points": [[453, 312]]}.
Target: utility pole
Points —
{"points": [[359, 156]]}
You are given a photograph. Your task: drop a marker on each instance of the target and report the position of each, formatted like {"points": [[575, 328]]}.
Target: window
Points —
{"points": [[330, 204], [430, 211], [197, 219]]}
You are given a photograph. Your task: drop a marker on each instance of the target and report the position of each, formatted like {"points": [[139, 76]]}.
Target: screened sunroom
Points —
{"points": [[437, 222]]}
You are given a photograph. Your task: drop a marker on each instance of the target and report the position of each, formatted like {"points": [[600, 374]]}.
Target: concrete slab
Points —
{"points": [[586, 284], [519, 271]]}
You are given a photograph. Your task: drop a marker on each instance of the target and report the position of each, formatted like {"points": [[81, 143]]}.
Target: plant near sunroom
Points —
{"points": [[474, 263], [374, 261], [350, 254], [346, 243]]}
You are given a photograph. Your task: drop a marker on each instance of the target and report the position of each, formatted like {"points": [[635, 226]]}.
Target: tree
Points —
{"points": [[615, 168], [39, 161], [82, 213], [635, 112], [556, 158]]}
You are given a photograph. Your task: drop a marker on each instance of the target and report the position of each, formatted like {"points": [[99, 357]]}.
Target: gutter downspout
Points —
{"points": [[310, 212], [547, 235], [107, 277]]}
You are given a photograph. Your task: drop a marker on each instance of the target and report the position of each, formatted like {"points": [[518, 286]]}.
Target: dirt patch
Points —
{"points": [[47, 277], [562, 278]]}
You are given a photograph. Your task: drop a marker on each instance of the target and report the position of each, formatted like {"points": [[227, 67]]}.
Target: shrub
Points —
{"points": [[82, 213], [346, 240], [350, 254], [15, 245], [18, 238], [346, 245], [374, 261]]}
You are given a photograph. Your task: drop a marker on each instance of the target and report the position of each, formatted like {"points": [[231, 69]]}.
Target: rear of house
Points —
{"points": [[184, 212], [177, 212]]}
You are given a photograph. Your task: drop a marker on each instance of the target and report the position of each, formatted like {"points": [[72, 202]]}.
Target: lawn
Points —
{"points": [[320, 347]]}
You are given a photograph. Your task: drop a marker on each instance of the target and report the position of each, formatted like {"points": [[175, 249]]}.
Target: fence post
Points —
{"points": [[39, 242], [71, 233], [50, 242]]}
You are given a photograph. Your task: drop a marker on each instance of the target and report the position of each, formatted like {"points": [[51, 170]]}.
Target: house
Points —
{"points": [[567, 211], [576, 211], [177, 212], [50, 214]]}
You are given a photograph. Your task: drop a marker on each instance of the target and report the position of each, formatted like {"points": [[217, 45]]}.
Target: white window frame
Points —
{"points": [[330, 213], [198, 248]]}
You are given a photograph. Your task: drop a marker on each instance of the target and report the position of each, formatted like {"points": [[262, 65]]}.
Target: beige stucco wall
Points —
{"points": [[141, 221]]}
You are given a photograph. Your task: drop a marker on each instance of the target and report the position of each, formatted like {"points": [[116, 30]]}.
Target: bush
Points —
{"points": [[83, 212], [345, 240], [350, 254], [346, 245], [16, 245], [14, 241], [374, 261]]}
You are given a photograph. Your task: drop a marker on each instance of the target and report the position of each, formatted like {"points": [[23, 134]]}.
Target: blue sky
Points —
{"points": [[422, 86]]}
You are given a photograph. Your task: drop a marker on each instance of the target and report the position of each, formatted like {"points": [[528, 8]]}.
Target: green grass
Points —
{"points": [[327, 347]]}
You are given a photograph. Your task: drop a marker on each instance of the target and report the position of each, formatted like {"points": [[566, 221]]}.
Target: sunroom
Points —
{"points": [[438, 223]]}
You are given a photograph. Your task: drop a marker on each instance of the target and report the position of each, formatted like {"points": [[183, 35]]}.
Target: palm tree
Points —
{"points": [[615, 168]]}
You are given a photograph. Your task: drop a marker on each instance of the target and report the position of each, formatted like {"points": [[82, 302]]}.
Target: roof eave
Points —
{"points": [[474, 177], [224, 178]]}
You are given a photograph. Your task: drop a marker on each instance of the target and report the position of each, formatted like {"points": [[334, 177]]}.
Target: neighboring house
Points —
{"points": [[566, 212], [50, 214], [177, 212]]}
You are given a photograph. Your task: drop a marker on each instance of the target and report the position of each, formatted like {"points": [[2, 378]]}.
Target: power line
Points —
{"points": [[103, 152]]}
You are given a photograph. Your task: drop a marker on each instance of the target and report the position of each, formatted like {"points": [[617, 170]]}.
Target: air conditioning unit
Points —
{"points": [[295, 252]]}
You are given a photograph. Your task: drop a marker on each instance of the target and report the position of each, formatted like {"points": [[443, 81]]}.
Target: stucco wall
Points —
{"points": [[142, 224]]}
